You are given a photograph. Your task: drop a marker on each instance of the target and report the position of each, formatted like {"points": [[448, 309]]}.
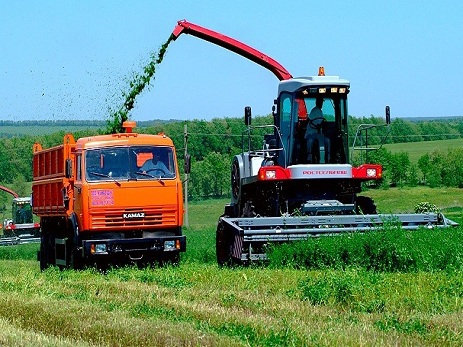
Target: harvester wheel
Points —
{"points": [[366, 205], [222, 246], [236, 180]]}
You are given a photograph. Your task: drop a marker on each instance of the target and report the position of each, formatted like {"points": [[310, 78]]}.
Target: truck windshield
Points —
{"points": [[131, 162]]}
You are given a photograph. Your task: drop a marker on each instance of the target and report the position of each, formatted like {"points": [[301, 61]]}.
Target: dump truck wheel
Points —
{"points": [[168, 259], [43, 260], [76, 261], [45, 253], [174, 259]]}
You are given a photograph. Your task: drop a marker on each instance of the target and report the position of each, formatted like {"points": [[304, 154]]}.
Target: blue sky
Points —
{"points": [[73, 59]]}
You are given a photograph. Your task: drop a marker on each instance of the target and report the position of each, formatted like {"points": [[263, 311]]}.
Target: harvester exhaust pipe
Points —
{"points": [[388, 115], [247, 115]]}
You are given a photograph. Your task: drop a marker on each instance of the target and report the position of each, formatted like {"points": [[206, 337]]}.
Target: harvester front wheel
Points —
{"points": [[236, 181], [366, 205], [222, 246]]}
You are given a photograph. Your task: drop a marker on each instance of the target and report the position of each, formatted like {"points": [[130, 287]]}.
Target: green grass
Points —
{"points": [[202, 223], [199, 304], [416, 150], [390, 249]]}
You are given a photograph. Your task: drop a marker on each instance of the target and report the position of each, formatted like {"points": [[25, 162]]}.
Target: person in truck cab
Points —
{"points": [[314, 136], [155, 166]]}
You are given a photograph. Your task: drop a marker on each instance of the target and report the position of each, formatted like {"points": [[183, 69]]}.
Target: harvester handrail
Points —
{"points": [[263, 150], [365, 127]]}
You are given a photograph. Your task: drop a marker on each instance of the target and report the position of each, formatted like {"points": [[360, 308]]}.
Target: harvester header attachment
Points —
{"points": [[242, 240]]}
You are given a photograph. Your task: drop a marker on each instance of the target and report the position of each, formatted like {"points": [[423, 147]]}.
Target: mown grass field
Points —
{"points": [[199, 304]]}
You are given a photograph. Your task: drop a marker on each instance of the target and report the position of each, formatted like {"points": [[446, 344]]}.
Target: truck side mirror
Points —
{"points": [[247, 115], [388, 115], [187, 165], [68, 168]]}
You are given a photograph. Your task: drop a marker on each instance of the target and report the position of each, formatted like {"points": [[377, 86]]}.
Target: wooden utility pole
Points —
{"points": [[185, 143]]}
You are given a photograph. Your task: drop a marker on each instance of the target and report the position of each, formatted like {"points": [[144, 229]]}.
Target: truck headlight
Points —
{"points": [[98, 248], [169, 245], [172, 245]]}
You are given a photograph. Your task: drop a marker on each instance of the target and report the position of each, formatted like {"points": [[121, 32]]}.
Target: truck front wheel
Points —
{"points": [[46, 256]]}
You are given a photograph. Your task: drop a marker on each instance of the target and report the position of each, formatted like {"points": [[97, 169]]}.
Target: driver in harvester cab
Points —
{"points": [[314, 136], [155, 164]]}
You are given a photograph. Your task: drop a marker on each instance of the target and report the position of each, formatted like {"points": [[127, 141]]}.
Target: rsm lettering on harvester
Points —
{"points": [[108, 200]]}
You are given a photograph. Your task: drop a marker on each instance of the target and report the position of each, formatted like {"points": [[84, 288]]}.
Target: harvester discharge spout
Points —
{"points": [[184, 27]]}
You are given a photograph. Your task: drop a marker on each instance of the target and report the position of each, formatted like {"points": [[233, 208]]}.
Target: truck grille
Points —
{"points": [[137, 218]]}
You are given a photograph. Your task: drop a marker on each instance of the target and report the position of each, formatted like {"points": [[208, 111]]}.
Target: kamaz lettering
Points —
{"points": [[133, 215]]}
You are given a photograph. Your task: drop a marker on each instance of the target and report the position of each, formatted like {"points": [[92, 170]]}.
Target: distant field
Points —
{"points": [[417, 149], [8, 130]]}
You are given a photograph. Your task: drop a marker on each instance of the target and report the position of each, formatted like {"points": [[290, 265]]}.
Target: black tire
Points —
{"points": [[366, 205], [76, 261], [46, 252], [36, 232], [236, 180], [172, 259], [42, 258], [222, 246]]}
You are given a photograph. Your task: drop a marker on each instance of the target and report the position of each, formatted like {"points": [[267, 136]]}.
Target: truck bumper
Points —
{"points": [[133, 248]]}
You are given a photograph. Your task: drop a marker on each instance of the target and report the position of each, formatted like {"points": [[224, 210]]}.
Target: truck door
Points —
{"points": [[78, 200]]}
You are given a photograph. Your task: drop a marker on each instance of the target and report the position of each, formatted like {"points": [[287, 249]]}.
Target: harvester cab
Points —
{"points": [[303, 165], [311, 115], [22, 211]]}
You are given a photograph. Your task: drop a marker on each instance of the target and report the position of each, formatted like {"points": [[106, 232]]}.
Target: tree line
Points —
{"points": [[212, 145]]}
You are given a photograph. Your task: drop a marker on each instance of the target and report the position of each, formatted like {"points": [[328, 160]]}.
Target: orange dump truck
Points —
{"points": [[108, 200]]}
